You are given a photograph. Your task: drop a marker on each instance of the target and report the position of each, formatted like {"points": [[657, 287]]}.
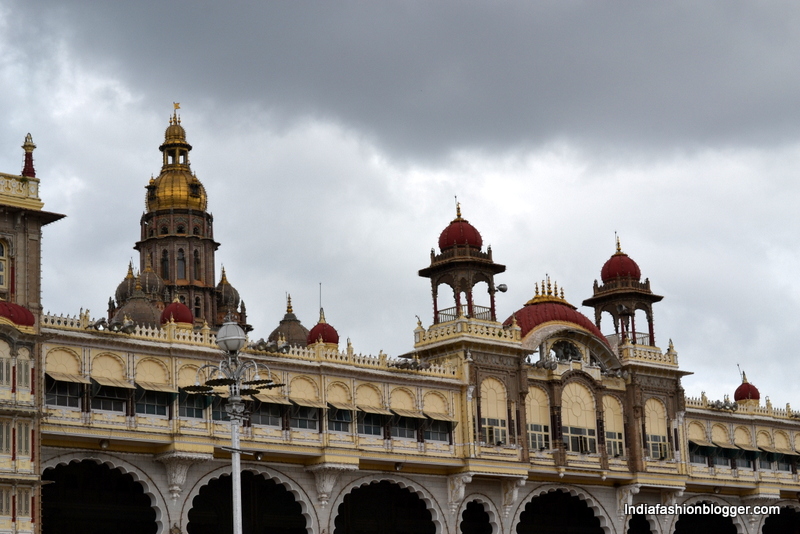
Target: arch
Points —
{"points": [[614, 423], [581, 493], [369, 395], [23, 353], [3, 263], [538, 409], [307, 507], [152, 370], [772, 524], [493, 399], [782, 440], [488, 506], [181, 265], [636, 525], [5, 349], [63, 360], [339, 392], [763, 439], [187, 375], [741, 436], [402, 399], [108, 365], [435, 402], [302, 387], [713, 499], [719, 433], [577, 406], [697, 431], [196, 262], [157, 501], [437, 517]]}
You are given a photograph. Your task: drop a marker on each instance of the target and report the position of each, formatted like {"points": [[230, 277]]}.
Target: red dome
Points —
{"points": [[16, 313], [533, 315], [324, 332], [746, 391], [178, 312], [620, 265], [460, 232]]}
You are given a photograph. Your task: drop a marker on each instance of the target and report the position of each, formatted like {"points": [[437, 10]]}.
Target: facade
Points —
{"points": [[533, 423]]}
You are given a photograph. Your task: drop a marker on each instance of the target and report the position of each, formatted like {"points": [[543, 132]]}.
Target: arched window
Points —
{"points": [[164, 230], [181, 265], [655, 418], [181, 229], [614, 426], [182, 299], [538, 412], [494, 409], [3, 265], [196, 271], [197, 308], [578, 419], [165, 265], [195, 231]]}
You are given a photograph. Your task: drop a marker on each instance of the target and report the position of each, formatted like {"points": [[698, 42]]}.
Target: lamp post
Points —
{"points": [[234, 373]]}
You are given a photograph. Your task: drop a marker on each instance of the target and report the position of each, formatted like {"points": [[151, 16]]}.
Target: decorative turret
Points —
{"points": [[27, 170], [621, 294], [461, 265], [290, 329], [746, 394], [138, 309], [177, 312], [323, 332]]}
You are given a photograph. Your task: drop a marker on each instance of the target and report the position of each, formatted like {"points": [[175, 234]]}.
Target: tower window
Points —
{"points": [[196, 272], [197, 308], [181, 265], [152, 233], [3, 265], [164, 230], [165, 265], [195, 231], [181, 229]]}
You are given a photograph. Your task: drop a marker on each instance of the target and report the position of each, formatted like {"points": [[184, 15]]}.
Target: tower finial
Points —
{"points": [[28, 147], [321, 316], [619, 248], [288, 303]]}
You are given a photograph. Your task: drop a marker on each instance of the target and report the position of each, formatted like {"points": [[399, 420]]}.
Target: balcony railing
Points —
{"points": [[638, 338], [481, 313]]}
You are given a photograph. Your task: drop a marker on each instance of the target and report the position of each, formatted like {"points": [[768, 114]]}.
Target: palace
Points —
{"points": [[535, 423]]}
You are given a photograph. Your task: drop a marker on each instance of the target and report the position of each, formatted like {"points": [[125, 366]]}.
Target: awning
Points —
{"points": [[724, 445], [66, 377], [768, 449], [408, 413], [308, 403], [701, 443], [747, 447], [113, 382], [272, 399], [786, 451], [342, 406], [373, 409], [152, 386], [440, 416]]}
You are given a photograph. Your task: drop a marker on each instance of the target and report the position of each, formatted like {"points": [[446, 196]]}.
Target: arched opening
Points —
{"points": [[639, 525], [90, 498], [181, 265], [383, 508], [786, 522], [165, 265], [267, 508], [704, 523], [558, 512], [475, 519], [196, 270]]}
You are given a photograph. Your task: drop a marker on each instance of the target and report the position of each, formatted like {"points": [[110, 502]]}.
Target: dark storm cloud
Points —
{"points": [[426, 78]]}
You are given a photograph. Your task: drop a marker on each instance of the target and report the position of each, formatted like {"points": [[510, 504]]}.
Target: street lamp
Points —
{"points": [[235, 373]]}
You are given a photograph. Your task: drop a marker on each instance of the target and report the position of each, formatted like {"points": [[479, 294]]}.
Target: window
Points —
{"points": [[267, 414], [5, 501], [165, 265], [658, 448], [24, 498], [3, 265], [181, 265], [438, 431], [370, 424], [110, 399], [614, 445], [164, 230], [218, 412], [720, 459], [339, 420], [196, 272], [697, 454], [62, 393], [195, 231], [580, 440], [153, 403], [24, 373], [5, 371], [192, 406], [538, 437], [5, 437], [404, 427], [181, 229], [744, 462], [784, 463], [304, 418], [493, 431], [24, 439], [197, 307]]}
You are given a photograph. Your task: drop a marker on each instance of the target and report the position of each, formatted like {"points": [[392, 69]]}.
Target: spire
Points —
{"points": [[744, 378], [28, 147], [130, 270], [322, 316], [289, 303], [224, 279]]}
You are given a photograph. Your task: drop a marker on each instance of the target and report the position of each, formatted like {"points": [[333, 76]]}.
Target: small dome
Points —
{"points": [[177, 188], [459, 232], [139, 309], [174, 132], [746, 391], [125, 288], [620, 265], [323, 332], [290, 329], [152, 284], [227, 296], [178, 312], [16, 314]]}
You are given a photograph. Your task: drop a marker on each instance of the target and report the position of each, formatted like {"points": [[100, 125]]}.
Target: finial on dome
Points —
{"points": [[458, 210], [322, 316], [28, 147], [224, 279], [130, 270], [744, 378], [138, 285], [619, 248], [288, 303], [536, 285]]}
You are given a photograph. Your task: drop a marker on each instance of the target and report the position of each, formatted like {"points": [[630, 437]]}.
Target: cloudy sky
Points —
{"points": [[332, 138]]}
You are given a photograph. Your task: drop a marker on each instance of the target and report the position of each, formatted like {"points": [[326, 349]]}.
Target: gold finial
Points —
{"points": [[555, 288], [148, 264], [28, 146], [744, 378], [536, 285], [138, 286], [130, 270], [458, 210], [224, 279], [562, 293], [619, 248], [288, 303], [321, 316], [549, 289], [176, 105]]}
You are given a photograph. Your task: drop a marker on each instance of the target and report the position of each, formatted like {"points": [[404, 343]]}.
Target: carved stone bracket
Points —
{"points": [[625, 497], [325, 476], [177, 464], [670, 497], [456, 485], [510, 493]]}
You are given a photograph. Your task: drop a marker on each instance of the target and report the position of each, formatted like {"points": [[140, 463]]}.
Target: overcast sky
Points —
{"points": [[332, 138]]}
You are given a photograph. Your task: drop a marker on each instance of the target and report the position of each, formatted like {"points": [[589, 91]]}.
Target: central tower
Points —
{"points": [[177, 234]]}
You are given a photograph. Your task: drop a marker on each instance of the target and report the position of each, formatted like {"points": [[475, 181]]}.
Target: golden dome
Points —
{"points": [[176, 187]]}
